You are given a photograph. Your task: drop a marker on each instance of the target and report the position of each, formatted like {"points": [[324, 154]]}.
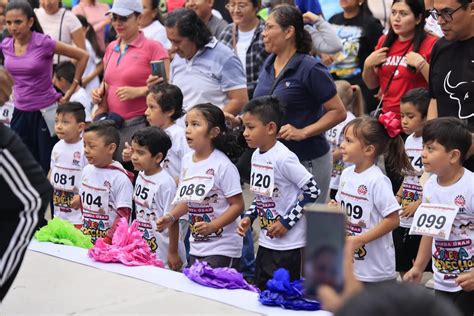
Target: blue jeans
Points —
{"points": [[247, 261]]}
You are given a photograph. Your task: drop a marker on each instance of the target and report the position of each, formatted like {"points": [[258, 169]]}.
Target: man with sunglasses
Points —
{"points": [[451, 81]]}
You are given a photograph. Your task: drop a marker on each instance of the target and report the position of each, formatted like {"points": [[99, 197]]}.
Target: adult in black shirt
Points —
{"points": [[359, 32], [451, 81]]}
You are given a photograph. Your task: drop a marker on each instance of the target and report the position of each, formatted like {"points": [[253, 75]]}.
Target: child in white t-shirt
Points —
{"points": [[282, 187], [106, 187], [209, 189], [351, 97], [153, 194], [67, 162], [164, 107], [365, 194], [413, 110], [446, 143]]}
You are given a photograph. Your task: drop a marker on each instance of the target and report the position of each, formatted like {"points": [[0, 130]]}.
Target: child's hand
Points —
{"points": [[243, 226], [205, 228], [127, 152], [174, 261], [354, 242], [76, 202], [163, 223], [409, 210], [466, 281], [277, 230], [413, 275], [333, 203], [108, 239]]}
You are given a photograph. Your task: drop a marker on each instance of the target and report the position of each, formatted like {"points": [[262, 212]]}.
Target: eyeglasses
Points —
{"points": [[239, 6], [119, 18], [446, 14]]}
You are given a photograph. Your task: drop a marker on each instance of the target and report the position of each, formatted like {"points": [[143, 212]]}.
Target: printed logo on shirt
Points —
{"points": [[265, 209], [203, 212], [76, 161], [460, 92], [166, 163], [362, 189], [452, 257], [460, 201], [210, 172], [149, 238], [95, 229], [107, 184], [353, 230]]}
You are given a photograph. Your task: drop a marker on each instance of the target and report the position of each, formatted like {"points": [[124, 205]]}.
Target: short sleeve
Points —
{"points": [[380, 42], [294, 171], [123, 193], [320, 84], [72, 22], [164, 196], [53, 161], [47, 44], [229, 180], [384, 200], [233, 75]]}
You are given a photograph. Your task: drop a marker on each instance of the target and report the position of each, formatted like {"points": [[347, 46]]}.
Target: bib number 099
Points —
{"points": [[191, 189], [429, 221]]}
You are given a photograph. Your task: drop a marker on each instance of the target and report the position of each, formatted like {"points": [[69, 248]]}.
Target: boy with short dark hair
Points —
{"points": [[275, 169], [154, 192], [446, 142], [67, 162], [63, 79], [106, 187]]}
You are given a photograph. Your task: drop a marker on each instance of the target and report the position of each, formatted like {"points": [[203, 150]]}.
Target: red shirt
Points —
{"points": [[404, 79], [131, 69]]}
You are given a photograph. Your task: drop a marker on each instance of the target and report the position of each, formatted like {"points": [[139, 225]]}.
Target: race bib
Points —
{"points": [[95, 200], [144, 194], [434, 220], [262, 179], [6, 113], [65, 179], [194, 189], [356, 213]]}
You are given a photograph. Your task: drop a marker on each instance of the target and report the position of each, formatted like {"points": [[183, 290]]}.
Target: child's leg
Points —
{"points": [[332, 194], [269, 260], [464, 301], [406, 249], [217, 261]]}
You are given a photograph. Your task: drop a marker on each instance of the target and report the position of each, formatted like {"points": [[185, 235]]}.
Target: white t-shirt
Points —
{"points": [[156, 31], [103, 191], [67, 162], [179, 147], [289, 176], [85, 99], [456, 255], [153, 196], [226, 183], [92, 63], [243, 44], [335, 136], [52, 23], [412, 189], [431, 25], [367, 198]]}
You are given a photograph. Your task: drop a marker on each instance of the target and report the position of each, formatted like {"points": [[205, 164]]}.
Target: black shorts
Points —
{"points": [[216, 261], [269, 260], [406, 249], [464, 301]]}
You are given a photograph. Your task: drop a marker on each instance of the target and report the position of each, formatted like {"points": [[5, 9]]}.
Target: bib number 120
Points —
{"points": [[259, 180]]}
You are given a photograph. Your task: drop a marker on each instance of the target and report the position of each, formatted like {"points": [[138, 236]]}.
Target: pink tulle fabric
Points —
{"points": [[128, 247]]}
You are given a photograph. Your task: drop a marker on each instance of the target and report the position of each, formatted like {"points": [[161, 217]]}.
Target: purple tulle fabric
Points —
{"points": [[289, 295], [219, 278], [128, 247]]}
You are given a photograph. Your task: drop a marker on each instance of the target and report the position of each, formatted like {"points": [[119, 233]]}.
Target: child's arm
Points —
{"points": [[310, 193], [165, 221], [410, 209], [174, 261], [422, 258], [389, 223], [236, 207], [250, 215], [399, 194], [97, 71]]}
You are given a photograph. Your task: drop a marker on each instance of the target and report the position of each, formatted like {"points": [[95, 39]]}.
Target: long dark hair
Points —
{"points": [[27, 10], [418, 9], [90, 35], [287, 16], [227, 141], [189, 25], [155, 5], [370, 131]]}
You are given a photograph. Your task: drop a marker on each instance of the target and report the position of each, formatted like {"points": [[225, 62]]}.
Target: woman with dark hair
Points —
{"points": [[151, 23], [127, 67], [94, 12], [205, 70], [401, 58], [305, 87], [29, 59], [359, 32], [61, 24]]}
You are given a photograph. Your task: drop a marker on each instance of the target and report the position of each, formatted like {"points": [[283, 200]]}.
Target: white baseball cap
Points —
{"points": [[126, 7]]}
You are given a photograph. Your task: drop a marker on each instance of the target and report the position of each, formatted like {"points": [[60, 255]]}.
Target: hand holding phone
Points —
{"points": [[158, 69]]}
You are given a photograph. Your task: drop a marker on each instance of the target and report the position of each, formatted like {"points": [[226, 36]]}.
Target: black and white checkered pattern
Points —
{"points": [[310, 193]]}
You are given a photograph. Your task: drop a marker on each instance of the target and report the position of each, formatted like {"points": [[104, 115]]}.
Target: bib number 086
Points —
{"points": [[191, 189]]}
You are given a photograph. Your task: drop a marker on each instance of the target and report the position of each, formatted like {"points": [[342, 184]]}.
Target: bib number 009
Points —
{"points": [[352, 211]]}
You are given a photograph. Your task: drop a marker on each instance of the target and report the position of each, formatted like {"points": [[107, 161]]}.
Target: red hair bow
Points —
{"points": [[391, 124]]}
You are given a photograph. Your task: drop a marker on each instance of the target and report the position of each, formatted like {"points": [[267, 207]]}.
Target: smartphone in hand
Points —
{"points": [[158, 69]]}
